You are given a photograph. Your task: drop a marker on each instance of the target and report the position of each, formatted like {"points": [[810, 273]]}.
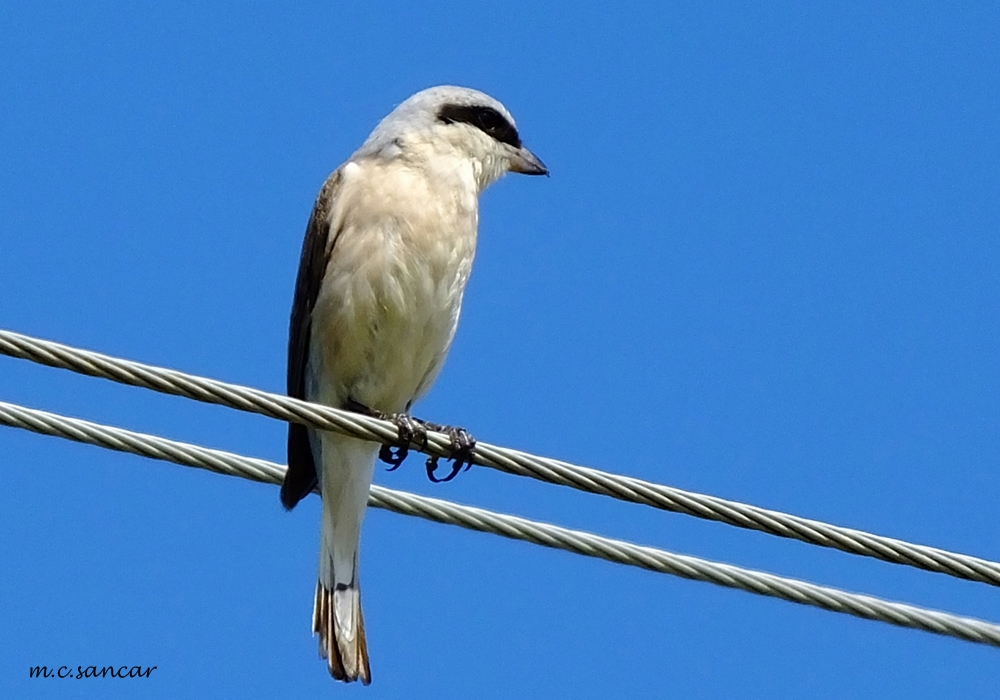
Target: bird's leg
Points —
{"points": [[415, 430], [462, 447], [409, 428]]}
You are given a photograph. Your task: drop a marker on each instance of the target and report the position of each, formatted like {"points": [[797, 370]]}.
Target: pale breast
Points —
{"points": [[392, 293]]}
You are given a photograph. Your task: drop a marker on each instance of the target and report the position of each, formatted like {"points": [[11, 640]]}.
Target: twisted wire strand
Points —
{"points": [[506, 460], [832, 599]]}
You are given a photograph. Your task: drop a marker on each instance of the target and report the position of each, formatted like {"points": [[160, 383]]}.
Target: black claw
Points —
{"points": [[462, 447], [410, 430], [393, 459], [432, 465], [394, 453]]}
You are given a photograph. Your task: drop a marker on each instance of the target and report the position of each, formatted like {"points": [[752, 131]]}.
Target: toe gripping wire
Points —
{"points": [[413, 431]]}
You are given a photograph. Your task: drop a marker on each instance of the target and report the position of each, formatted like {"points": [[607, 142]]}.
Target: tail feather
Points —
{"points": [[345, 474], [338, 621]]}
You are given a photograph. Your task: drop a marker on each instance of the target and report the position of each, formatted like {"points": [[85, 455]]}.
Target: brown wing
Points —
{"points": [[301, 478]]}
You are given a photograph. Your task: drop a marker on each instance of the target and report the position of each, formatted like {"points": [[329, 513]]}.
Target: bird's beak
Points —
{"points": [[525, 162]]}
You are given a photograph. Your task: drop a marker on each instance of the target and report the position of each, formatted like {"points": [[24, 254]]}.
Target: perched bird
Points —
{"points": [[387, 253]]}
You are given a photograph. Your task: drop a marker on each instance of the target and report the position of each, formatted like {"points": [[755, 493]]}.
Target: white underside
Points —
{"points": [[385, 316]]}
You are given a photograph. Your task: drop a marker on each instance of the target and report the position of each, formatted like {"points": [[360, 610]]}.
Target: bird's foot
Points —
{"points": [[413, 430], [462, 447], [410, 430]]}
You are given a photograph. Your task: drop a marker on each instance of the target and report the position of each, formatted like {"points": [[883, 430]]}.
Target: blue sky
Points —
{"points": [[764, 267]]}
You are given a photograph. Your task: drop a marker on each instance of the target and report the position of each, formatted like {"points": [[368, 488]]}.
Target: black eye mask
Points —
{"points": [[486, 119]]}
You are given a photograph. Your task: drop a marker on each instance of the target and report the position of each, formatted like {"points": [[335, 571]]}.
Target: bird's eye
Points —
{"points": [[486, 119]]}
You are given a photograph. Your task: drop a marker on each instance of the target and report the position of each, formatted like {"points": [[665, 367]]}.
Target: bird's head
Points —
{"points": [[447, 122]]}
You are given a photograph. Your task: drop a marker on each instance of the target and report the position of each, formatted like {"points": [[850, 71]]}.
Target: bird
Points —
{"points": [[385, 260]]}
